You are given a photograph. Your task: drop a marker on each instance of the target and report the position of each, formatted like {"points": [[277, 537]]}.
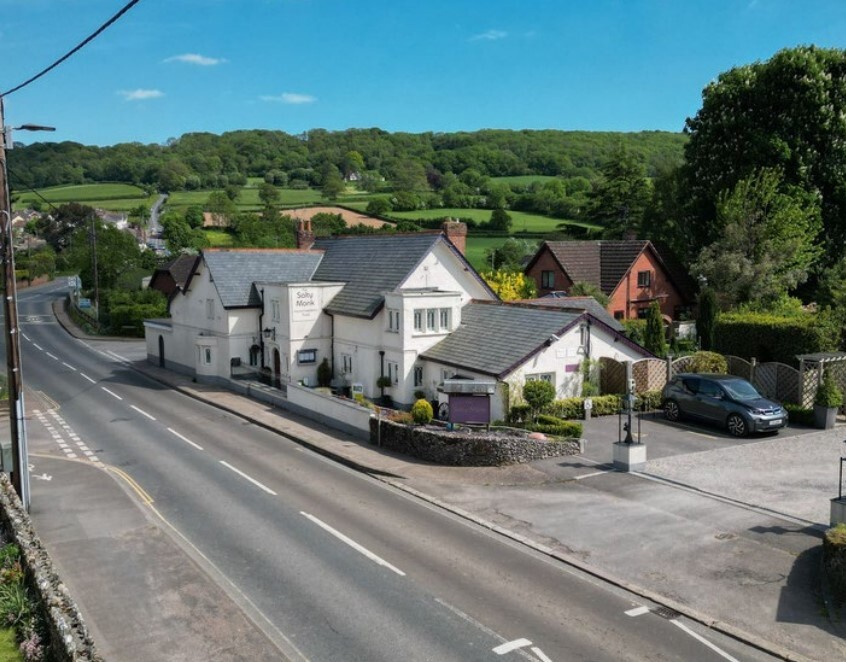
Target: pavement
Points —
{"points": [[726, 531]]}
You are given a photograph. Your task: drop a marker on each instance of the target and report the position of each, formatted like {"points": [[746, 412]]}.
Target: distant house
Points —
{"points": [[631, 272], [174, 274], [119, 220]]}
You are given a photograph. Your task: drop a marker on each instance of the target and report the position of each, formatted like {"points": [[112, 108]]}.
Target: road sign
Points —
{"points": [[85, 303]]}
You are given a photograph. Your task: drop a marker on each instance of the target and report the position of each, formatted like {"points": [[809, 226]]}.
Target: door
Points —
{"points": [[277, 368], [710, 400], [161, 352]]}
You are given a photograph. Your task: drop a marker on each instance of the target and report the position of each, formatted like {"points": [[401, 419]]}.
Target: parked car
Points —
{"points": [[724, 400]]}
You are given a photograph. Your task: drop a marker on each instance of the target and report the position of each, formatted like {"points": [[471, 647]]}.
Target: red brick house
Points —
{"points": [[631, 272]]}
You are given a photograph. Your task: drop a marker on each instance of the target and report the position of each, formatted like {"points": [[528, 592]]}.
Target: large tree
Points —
{"points": [[619, 197], [785, 113], [58, 227], [767, 242]]}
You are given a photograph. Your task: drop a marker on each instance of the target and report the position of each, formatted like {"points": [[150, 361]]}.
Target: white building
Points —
{"points": [[407, 308]]}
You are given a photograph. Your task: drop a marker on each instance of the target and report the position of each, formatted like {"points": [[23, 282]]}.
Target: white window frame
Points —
{"points": [[393, 320], [306, 356], [393, 372], [347, 363], [644, 278], [445, 319], [418, 375], [207, 354], [431, 319], [418, 319], [548, 377], [274, 310]]}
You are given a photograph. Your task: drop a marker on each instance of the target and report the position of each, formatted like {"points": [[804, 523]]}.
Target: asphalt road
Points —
{"points": [[333, 564]]}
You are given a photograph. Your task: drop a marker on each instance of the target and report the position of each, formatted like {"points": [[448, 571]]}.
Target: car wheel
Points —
{"points": [[671, 410], [736, 425]]}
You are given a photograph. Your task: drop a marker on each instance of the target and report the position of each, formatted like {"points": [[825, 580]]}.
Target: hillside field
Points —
{"points": [[521, 221], [114, 197]]}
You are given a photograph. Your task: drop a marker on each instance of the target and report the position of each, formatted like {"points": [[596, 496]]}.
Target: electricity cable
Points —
{"points": [[78, 47]]}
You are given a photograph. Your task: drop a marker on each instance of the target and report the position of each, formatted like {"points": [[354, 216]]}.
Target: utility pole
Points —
{"points": [[96, 276], [17, 423]]}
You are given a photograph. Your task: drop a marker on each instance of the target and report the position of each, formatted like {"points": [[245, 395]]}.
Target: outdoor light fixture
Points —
{"points": [[270, 333]]}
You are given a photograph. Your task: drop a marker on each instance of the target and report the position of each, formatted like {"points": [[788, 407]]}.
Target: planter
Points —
{"points": [[824, 417]]}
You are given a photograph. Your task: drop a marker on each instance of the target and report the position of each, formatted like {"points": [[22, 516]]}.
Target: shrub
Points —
{"points": [[420, 395], [324, 373], [654, 338], [634, 330], [834, 559], [383, 382], [828, 394], [538, 394], [569, 429], [799, 414], [518, 413], [708, 362], [421, 412], [546, 419], [603, 405], [649, 400]]}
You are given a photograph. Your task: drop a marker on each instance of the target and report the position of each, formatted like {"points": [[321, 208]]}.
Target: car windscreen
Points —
{"points": [[740, 389]]}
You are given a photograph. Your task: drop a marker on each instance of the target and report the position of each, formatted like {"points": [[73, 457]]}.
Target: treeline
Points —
{"points": [[371, 156]]}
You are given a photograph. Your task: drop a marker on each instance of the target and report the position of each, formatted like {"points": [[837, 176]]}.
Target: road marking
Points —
{"points": [[595, 473], [509, 646], [26, 337], [68, 365], [701, 434], [52, 356], [140, 491], [719, 651], [541, 656], [111, 393], [185, 439], [88, 378], [141, 411], [37, 346], [118, 357], [637, 611], [252, 480], [352, 543]]}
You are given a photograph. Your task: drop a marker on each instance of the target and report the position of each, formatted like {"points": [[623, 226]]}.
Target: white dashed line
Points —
{"points": [[141, 411], [541, 655], [185, 439], [68, 365], [595, 473], [637, 611], [26, 337], [37, 346], [88, 378], [509, 646], [352, 543], [111, 393], [52, 356], [252, 480]]}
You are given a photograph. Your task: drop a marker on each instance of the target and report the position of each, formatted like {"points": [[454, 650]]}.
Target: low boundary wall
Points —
{"points": [[466, 450], [69, 638]]}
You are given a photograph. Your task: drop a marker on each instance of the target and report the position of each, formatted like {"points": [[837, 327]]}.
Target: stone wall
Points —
{"points": [[466, 449], [69, 638]]}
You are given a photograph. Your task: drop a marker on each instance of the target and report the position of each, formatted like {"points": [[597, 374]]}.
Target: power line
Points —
{"points": [[30, 189], [78, 47]]}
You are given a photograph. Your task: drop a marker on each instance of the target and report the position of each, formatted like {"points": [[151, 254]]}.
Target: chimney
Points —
{"points": [[456, 232], [305, 237]]}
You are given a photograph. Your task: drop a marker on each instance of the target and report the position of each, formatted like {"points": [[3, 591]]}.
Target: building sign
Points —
{"points": [[304, 304]]}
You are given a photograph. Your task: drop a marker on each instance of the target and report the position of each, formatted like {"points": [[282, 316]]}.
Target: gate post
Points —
{"points": [[753, 364], [669, 368]]}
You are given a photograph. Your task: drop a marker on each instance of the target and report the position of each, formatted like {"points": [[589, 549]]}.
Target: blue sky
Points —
{"points": [[175, 66]]}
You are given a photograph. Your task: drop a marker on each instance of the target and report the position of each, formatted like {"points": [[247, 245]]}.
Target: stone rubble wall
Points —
{"points": [[463, 449], [69, 637]]}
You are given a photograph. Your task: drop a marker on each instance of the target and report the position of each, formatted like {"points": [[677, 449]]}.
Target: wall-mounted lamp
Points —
{"points": [[270, 333]]}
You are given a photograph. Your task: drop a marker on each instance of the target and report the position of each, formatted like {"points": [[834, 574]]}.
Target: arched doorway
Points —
{"points": [[161, 352], [277, 368]]}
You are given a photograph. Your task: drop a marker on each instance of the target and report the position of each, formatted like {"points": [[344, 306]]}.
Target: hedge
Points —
{"points": [[834, 560], [770, 337], [603, 405], [569, 429], [798, 414]]}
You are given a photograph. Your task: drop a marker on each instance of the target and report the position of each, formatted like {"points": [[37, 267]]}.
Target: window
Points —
{"points": [[431, 320], [393, 372], [644, 278], [584, 335], [418, 375], [446, 374], [274, 310], [445, 315], [207, 355], [346, 360], [307, 356], [548, 280], [254, 354], [548, 377], [618, 314], [418, 320], [393, 320], [210, 309], [642, 313]]}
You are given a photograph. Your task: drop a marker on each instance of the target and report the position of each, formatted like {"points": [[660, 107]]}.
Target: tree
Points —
{"points": [[353, 163], [117, 251], [768, 240], [268, 194], [41, 263], [706, 322], [538, 394], [379, 206], [141, 214], [654, 338], [409, 175], [58, 228], [511, 255], [584, 289], [333, 183], [221, 207], [194, 216], [510, 285], [500, 221], [786, 114], [619, 198]]}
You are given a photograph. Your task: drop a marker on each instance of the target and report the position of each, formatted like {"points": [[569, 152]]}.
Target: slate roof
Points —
{"points": [[369, 265], [587, 304], [180, 268], [235, 271], [493, 338]]}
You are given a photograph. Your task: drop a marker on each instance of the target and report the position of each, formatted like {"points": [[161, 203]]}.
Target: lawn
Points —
{"points": [[218, 238], [523, 180], [114, 197], [521, 221], [247, 200]]}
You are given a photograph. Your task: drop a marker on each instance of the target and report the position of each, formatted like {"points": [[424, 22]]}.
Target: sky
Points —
{"points": [[170, 67]]}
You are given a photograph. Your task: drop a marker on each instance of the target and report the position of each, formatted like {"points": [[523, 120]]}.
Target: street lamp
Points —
{"points": [[17, 424]]}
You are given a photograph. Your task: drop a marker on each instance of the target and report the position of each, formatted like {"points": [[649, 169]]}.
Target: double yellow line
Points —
{"points": [[140, 491]]}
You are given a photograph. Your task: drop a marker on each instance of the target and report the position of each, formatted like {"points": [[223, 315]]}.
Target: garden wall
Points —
{"points": [[69, 638], [345, 415], [466, 450]]}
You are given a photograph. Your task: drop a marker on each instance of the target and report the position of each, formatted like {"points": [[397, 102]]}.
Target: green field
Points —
{"points": [[523, 180], [218, 238], [521, 221], [476, 247], [114, 197]]}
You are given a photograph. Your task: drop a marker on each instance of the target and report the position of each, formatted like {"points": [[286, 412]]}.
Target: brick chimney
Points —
{"points": [[456, 232], [305, 237]]}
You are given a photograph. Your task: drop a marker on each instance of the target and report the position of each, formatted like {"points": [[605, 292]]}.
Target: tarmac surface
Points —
{"points": [[725, 531]]}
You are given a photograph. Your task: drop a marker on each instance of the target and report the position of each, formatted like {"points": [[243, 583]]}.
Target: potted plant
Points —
{"points": [[382, 383], [827, 401]]}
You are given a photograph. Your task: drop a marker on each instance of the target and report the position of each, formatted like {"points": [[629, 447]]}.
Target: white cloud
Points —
{"points": [[196, 58], [490, 35], [289, 97], [140, 95]]}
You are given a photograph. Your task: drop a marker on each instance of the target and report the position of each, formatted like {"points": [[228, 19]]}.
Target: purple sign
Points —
{"points": [[469, 408]]}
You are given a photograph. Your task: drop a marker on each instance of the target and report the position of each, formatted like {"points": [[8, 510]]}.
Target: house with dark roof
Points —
{"points": [[511, 343], [631, 272], [173, 274]]}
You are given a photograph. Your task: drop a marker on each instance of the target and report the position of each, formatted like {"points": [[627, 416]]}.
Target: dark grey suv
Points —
{"points": [[725, 400]]}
